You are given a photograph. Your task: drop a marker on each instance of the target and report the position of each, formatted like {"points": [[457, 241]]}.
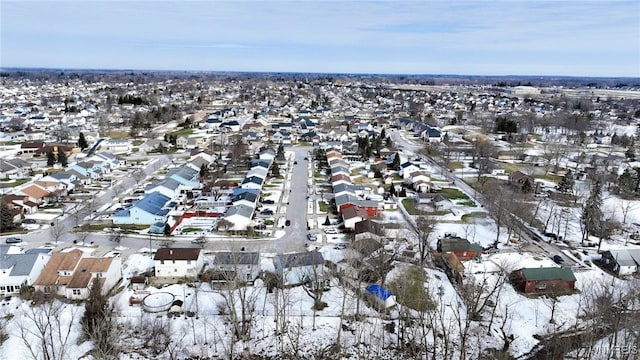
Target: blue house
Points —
{"points": [[152, 208], [382, 296]]}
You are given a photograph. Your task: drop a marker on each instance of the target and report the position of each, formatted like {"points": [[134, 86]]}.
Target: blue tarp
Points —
{"points": [[379, 291]]}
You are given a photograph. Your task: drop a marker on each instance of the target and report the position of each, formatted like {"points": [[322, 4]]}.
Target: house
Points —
{"points": [[186, 175], [340, 179], [463, 249], [117, 146], [167, 187], [90, 168], [154, 145], [152, 208], [368, 229], [301, 268], [35, 193], [110, 160], [182, 142], [108, 271], [369, 249], [439, 202], [352, 215], [382, 297], [339, 169], [544, 280], [621, 261], [267, 154], [519, 178], [236, 266], [69, 274], [178, 262], [239, 217], [247, 198], [431, 134], [420, 180], [257, 171], [252, 182], [20, 268], [407, 168]]}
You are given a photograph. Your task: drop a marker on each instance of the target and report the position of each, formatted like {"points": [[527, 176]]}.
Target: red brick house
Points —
{"points": [[544, 280]]}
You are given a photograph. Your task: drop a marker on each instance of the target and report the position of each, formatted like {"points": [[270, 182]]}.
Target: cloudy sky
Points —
{"points": [[578, 38]]}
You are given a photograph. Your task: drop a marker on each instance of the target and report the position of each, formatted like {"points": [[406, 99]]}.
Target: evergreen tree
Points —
{"points": [[6, 218], [280, 152], [396, 163], [592, 216], [275, 170], [527, 187], [627, 183], [630, 154], [566, 184], [82, 142], [62, 158], [392, 190], [326, 221], [51, 158], [403, 193]]}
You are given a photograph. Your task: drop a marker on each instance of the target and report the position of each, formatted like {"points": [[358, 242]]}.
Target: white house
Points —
{"points": [[178, 262], [69, 274], [239, 216], [108, 271], [20, 268], [301, 268], [116, 146]]}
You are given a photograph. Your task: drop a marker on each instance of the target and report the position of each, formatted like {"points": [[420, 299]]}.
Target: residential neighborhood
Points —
{"points": [[392, 214]]}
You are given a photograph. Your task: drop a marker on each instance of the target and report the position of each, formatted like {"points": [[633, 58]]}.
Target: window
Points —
{"points": [[76, 291], [541, 285], [175, 270], [162, 262], [188, 262]]}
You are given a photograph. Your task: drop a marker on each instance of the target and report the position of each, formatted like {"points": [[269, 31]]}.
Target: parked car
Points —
{"points": [[199, 240], [13, 240], [312, 237], [330, 230], [29, 221], [267, 201], [287, 222], [267, 212], [558, 259], [295, 163]]}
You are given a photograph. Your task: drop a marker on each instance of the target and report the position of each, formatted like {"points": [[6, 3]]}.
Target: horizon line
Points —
{"points": [[17, 68]]}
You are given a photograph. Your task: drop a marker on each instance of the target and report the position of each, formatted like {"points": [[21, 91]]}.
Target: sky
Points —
{"points": [[572, 38]]}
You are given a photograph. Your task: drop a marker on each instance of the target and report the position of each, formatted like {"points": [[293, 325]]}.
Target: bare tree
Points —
{"points": [[46, 330], [424, 228], [98, 324], [57, 230], [239, 296]]}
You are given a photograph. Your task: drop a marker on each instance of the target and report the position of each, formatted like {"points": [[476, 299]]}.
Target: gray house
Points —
{"points": [[301, 268], [235, 266]]}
